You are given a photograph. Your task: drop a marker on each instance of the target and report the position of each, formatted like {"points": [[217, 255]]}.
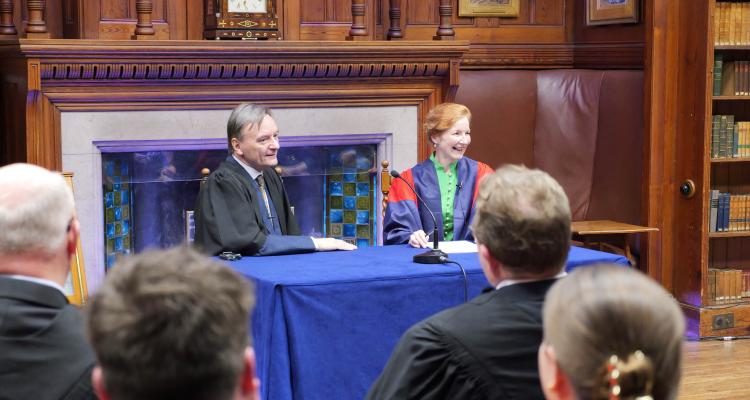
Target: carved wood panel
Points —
{"points": [[138, 75], [420, 12], [116, 19], [52, 15]]}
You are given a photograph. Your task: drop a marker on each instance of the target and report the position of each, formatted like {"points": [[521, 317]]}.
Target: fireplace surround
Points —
{"points": [[86, 135], [74, 92]]}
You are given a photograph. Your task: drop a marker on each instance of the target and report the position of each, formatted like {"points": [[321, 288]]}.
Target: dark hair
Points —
{"points": [[523, 217], [602, 311], [241, 116], [171, 324]]}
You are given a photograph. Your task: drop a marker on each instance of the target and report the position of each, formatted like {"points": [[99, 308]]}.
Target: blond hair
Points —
{"points": [[602, 311]]}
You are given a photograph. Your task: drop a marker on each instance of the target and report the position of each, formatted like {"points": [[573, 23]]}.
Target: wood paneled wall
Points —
{"points": [[116, 19], [546, 33]]}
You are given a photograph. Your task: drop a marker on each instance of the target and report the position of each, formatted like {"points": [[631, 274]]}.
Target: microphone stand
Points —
{"points": [[435, 255]]}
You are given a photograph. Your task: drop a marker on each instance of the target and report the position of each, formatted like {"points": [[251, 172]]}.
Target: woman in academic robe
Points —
{"points": [[448, 182]]}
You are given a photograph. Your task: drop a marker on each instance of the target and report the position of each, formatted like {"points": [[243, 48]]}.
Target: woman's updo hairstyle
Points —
{"points": [[616, 334]]}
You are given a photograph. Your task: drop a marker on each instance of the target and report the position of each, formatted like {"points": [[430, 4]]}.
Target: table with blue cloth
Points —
{"points": [[325, 324]]}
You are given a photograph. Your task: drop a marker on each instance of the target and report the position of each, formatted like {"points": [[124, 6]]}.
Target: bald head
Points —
{"points": [[36, 210]]}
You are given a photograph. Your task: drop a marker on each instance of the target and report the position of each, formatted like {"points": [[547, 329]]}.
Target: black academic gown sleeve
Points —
{"points": [[483, 349], [228, 214], [424, 366]]}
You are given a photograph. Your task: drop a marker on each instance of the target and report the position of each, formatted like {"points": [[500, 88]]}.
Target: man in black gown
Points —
{"points": [[487, 348], [243, 206]]}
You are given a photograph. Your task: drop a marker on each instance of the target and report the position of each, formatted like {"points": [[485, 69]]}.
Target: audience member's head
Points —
{"points": [[172, 325], [522, 225], [38, 228], [610, 332]]}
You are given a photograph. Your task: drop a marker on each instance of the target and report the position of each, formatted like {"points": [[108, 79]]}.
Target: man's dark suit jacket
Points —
{"points": [[483, 349], [228, 215], [43, 349]]}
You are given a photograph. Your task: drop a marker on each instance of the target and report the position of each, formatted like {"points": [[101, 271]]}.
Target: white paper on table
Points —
{"points": [[458, 246]]}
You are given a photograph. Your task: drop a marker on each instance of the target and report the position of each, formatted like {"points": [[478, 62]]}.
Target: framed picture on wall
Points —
{"points": [[75, 286], [603, 12], [488, 8]]}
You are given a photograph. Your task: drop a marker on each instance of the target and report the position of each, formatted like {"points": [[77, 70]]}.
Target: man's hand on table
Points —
{"points": [[329, 244]]}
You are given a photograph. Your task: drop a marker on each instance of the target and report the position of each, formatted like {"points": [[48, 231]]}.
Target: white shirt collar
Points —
{"points": [[254, 173], [509, 282], [41, 281]]}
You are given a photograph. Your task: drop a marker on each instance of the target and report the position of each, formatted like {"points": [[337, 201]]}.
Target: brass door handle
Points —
{"points": [[687, 188]]}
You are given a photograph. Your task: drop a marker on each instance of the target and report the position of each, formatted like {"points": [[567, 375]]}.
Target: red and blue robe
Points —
{"points": [[404, 215]]}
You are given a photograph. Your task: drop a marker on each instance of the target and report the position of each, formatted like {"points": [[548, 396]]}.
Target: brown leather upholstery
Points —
{"points": [[566, 131], [502, 105], [618, 164], [584, 127]]}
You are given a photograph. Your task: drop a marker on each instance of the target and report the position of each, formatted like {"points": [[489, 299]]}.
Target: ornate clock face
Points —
{"points": [[247, 6]]}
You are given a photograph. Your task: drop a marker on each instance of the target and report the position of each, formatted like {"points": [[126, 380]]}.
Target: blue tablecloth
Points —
{"points": [[325, 324]]}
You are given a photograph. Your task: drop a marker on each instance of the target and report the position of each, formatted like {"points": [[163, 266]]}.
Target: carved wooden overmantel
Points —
{"points": [[42, 78]]}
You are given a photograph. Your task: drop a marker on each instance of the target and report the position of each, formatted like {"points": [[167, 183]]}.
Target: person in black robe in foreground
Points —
{"points": [[243, 206], [487, 348]]}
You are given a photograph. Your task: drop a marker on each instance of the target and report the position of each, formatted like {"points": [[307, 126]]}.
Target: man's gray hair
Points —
{"points": [[241, 116], [523, 217], [36, 209]]}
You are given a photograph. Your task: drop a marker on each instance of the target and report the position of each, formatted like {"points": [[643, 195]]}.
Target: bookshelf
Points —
{"points": [[723, 307]]}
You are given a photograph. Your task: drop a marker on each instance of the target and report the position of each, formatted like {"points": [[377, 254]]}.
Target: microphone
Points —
{"points": [[434, 256]]}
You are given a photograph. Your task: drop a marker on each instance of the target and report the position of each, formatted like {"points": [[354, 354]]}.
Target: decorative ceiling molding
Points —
{"points": [[196, 70], [68, 61]]}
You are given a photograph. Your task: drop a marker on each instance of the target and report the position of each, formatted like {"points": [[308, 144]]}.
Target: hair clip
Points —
{"points": [[613, 374]]}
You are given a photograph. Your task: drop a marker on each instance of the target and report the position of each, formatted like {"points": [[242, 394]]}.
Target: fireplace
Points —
{"points": [[90, 137], [149, 188]]}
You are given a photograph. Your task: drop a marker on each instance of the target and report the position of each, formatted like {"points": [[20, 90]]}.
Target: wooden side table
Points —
{"points": [[610, 234]]}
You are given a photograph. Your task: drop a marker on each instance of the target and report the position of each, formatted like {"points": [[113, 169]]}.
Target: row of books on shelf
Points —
{"points": [[731, 23], [729, 212], [730, 78], [728, 285], [729, 138]]}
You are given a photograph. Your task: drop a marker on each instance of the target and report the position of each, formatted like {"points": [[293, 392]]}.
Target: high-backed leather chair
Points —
{"points": [[584, 127]]}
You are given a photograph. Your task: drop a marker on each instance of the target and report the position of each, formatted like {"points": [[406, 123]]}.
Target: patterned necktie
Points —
{"points": [[262, 185]]}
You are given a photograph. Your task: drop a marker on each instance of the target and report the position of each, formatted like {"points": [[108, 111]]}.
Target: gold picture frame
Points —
{"points": [[605, 12], [488, 8], [76, 289]]}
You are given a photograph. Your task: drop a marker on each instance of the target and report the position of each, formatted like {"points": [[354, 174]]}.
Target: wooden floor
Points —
{"points": [[716, 370]]}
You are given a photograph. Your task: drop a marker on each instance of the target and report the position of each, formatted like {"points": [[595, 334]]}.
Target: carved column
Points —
{"points": [[144, 29], [36, 27], [359, 29], [445, 30], [394, 32], [6, 18]]}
